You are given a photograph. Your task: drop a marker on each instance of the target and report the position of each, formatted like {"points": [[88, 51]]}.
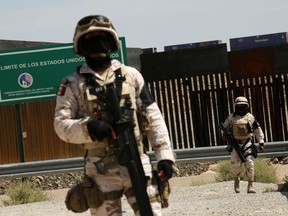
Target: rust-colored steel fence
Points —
{"points": [[192, 107], [40, 141]]}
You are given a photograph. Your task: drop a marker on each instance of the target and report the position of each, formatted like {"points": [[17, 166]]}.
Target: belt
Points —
{"points": [[99, 152]]}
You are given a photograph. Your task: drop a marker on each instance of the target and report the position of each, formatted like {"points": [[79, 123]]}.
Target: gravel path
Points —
{"points": [[217, 199], [210, 198]]}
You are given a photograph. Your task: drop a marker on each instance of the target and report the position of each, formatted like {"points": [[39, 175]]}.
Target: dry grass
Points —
{"points": [[26, 192]]}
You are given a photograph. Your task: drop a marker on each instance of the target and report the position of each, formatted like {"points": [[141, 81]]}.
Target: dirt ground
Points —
{"points": [[209, 176], [205, 178]]}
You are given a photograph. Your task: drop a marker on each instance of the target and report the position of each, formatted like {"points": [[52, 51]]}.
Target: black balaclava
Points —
{"points": [[97, 50], [241, 109], [98, 64]]}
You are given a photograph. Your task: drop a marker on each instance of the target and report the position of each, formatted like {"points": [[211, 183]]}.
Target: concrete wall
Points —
{"points": [[13, 44]]}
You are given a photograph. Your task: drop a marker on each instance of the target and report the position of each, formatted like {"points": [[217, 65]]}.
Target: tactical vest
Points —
{"points": [[241, 127], [94, 105]]}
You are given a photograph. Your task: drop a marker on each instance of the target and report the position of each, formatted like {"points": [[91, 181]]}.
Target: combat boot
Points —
{"points": [[250, 187], [237, 185]]}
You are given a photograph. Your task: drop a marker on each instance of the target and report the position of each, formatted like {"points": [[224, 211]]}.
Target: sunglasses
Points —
{"points": [[97, 20]]}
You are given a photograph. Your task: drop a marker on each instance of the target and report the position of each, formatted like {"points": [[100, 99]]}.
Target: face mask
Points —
{"points": [[98, 64], [241, 109], [97, 47]]}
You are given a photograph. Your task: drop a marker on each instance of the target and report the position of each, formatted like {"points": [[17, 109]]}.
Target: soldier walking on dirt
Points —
{"points": [[243, 127]]}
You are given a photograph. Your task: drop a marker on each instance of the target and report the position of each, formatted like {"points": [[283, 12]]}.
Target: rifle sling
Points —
{"points": [[243, 146]]}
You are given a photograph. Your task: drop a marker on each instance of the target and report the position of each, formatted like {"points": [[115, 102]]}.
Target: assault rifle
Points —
{"points": [[232, 142], [127, 151]]}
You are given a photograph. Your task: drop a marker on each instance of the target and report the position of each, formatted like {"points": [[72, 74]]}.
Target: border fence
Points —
{"points": [[194, 91], [194, 106]]}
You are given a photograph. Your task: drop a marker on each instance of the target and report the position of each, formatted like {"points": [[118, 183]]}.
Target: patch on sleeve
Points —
{"points": [[62, 87]]}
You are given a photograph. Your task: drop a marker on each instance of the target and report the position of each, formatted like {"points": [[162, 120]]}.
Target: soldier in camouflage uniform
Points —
{"points": [[244, 126], [81, 118]]}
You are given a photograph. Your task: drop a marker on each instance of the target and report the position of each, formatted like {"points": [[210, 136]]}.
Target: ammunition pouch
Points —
{"points": [[87, 195], [93, 194], [105, 163], [76, 199]]}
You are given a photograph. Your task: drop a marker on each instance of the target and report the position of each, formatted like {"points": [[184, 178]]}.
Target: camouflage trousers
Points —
{"points": [[116, 179], [237, 163]]}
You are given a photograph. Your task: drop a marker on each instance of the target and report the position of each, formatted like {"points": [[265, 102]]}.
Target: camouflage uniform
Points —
{"points": [[244, 128], [73, 108]]}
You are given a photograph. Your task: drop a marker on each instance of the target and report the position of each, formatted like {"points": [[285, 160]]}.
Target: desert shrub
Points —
{"points": [[26, 192], [264, 172]]}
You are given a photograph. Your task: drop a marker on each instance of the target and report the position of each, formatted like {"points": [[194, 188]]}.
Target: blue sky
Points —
{"points": [[146, 23]]}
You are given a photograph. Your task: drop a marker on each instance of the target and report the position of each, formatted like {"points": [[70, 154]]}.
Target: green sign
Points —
{"points": [[35, 74]]}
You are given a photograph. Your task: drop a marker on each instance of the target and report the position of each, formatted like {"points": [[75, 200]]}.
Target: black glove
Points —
{"points": [[98, 130], [165, 167]]}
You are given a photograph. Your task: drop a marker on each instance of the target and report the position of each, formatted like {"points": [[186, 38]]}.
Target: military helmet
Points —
{"points": [[241, 100], [94, 23]]}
